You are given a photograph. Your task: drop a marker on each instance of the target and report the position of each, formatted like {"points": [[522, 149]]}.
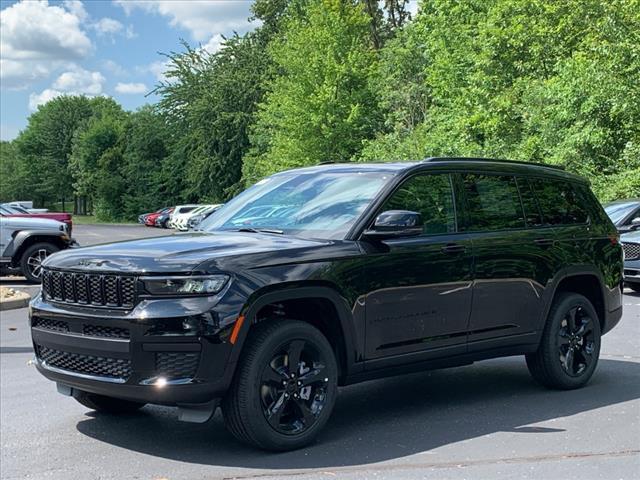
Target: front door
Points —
{"points": [[419, 288]]}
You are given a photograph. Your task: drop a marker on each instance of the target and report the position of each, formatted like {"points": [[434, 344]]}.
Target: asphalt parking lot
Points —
{"points": [[488, 420]]}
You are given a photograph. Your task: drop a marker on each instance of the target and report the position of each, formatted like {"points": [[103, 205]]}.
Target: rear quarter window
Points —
{"points": [[559, 202]]}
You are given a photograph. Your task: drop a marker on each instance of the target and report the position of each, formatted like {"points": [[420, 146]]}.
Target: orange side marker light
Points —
{"points": [[236, 329]]}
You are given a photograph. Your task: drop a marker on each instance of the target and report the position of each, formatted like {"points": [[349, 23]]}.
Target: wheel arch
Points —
{"points": [[25, 238], [320, 305], [584, 281]]}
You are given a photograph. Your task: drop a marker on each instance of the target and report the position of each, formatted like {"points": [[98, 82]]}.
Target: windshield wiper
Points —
{"points": [[260, 230]]}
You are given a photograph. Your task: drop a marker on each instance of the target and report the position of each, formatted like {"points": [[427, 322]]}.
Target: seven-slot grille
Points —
{"points": [[631, 250], [89, 289]]}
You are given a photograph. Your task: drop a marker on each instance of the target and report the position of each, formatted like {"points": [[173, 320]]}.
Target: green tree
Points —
{"points": [[321, 105]]}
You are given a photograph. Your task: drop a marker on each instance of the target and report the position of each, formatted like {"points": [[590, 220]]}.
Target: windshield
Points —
{"points": [[618, 211], [311, 205]]}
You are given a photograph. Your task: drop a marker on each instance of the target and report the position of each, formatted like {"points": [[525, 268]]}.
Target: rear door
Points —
{"points": [[512, 257]]}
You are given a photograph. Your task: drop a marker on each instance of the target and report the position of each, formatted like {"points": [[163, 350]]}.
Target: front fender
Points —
{"points": [[20, 239]]}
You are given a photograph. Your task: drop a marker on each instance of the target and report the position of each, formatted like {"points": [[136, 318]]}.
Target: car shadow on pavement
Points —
{"points": [[386, 419]]}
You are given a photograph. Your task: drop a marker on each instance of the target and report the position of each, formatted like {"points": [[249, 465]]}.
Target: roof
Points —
{"points": [[507, 166]]}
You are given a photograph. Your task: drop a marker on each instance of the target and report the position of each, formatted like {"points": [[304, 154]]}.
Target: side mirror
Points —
{"points": [[395, 224], [635, 223]]}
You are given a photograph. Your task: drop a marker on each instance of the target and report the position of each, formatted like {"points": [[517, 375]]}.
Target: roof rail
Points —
{"points": [[495, 160]]}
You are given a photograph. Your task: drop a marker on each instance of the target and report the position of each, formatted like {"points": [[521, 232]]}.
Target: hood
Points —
{"points": [[180, 253], [30, 223], [633, 237]]}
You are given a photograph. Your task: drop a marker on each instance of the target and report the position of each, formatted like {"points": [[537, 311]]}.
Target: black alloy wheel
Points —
{"points": [[293, 388], [576, 342], [284, 387], [570, 345]]}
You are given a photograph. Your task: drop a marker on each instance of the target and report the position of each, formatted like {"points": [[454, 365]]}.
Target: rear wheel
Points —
{"points": [[634, 286], [570, 346], [32, 258], [104, 404], [285, 386]]}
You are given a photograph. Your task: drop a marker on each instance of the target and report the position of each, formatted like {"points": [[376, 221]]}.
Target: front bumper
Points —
{"points": [[140, 355]]}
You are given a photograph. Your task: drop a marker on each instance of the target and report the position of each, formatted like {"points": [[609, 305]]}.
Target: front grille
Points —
{"points": [[118, 291], [105, 332], [48, 324], [631, 250], [173, 365], [86, 364]]}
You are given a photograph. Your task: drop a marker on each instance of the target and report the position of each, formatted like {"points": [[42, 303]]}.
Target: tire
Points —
{"points": [[32, 258], [551, 365], [103, 404], [258, 387], [634, 286]]}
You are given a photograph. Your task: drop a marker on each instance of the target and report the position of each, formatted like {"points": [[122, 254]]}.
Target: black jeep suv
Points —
{"points": [[332, 275]]}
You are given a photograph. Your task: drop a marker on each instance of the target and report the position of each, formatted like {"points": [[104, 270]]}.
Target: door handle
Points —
{"points": [[544, 242], [453, 248]]}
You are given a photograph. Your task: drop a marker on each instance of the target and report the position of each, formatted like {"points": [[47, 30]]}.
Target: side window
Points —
{"points": [[491, 203], [532, 214], [558, 201], [429, 195]]}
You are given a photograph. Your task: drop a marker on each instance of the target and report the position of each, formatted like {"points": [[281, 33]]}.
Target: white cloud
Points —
{"points": [[114, 67], [38, 38], [108, 26], [80, 81], [131, 88], [74, 82], [130, 32], [77, 8], [214, 43], [201, 19], [157, 69]]}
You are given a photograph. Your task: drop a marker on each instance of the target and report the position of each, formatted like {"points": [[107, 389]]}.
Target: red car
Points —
{"points": [[150, 219], [15, 211]]}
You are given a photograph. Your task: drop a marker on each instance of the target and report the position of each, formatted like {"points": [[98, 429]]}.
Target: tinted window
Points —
{"points": [[432, 197], [491, 203], [532, 213], [559, 202]]}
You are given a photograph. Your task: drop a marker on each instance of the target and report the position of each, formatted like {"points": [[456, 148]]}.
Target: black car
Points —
{"points": [[332, 275], [625, 214]]}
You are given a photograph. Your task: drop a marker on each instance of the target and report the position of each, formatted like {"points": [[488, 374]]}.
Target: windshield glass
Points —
{"points": [[311, 205], [618, 211]]}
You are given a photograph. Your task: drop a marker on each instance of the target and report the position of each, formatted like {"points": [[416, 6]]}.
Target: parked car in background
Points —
{"points": [[178, 212], [371, 270], [28, 205], [162, 220], [625, 214], [197, 219], [26, 241], [182, 222], [12, 210], [631, 245], [150, 220]]}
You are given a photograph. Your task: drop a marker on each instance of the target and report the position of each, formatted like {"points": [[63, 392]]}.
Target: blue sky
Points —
{"points": [[99, 47]]}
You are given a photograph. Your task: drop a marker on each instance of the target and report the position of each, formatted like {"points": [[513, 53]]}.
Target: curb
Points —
{"points": [[15, 303]]}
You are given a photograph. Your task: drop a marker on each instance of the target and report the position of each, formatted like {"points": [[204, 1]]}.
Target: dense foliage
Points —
{"points": [[353, 80]]}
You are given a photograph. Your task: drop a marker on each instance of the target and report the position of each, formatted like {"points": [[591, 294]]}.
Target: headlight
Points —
{"points": [[196, 285]]}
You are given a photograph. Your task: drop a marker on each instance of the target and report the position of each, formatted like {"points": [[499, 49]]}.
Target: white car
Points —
{"points": [[182, 222], [179, 212]]}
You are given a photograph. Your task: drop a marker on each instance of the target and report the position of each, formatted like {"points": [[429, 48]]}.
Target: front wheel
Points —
{"points": [[285, 386], [104, 404], [570, 345], [32, 258]]}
